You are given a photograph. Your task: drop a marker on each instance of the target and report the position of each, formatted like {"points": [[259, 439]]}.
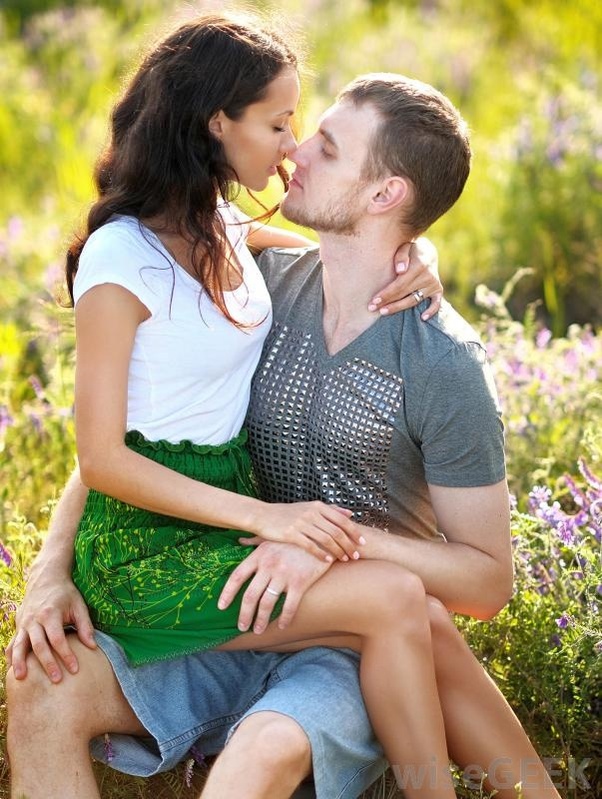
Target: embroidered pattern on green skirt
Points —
{"points": [[153, 581]]}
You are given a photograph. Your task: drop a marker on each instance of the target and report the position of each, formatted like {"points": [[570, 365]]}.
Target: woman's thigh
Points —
{"points": [[349, 602]]}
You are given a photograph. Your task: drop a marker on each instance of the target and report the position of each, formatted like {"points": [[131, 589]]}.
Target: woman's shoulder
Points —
{"points": [[117, 233], [122, 251]]}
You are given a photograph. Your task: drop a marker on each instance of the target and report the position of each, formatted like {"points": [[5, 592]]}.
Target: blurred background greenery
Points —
{"points": [[526, 75]]}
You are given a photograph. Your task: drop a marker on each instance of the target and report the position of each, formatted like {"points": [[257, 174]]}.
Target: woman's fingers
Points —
{"points": [[265, 607], [417, 279], [322, 530], [331, 531]]}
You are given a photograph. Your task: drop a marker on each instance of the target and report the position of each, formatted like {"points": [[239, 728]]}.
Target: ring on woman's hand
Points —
{"points": [[272, 591], [418, 295]]}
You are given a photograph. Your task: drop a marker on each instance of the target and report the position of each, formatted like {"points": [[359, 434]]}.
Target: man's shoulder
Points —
{"points": [[279, 264], [445, 335], [449, 328], [445, 351]]}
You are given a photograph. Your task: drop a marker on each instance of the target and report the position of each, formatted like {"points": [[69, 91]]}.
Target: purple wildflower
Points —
{"points": [[198, 756], [5, 555], [36, 421], [9, 610], [566, 534], [538, 496], [576, 493], [555, 640], [35, 383], [564, 621], [542, 338], [108, 747], [598, 647], [6, 420], [588, 475], [596, 511]]}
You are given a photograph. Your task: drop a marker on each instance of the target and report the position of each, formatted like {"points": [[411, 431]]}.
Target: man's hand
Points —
{"points": [[51, 602], [285, 569]]}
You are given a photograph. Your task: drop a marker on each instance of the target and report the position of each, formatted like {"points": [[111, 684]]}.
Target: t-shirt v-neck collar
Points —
{"points": [[350, 350]]}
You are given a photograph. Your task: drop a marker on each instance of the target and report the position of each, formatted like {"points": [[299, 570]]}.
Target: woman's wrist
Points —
{"points": [[250, 516]]}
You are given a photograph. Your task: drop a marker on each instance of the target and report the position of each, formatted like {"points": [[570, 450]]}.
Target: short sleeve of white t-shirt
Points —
{"points": [[191, 369], [119, 254]]}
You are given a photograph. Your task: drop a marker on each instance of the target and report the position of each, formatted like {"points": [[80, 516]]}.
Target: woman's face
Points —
{"points": [[256, 143]]}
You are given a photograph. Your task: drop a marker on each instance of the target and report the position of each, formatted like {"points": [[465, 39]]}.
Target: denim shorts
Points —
{"points": [[200, 699]]}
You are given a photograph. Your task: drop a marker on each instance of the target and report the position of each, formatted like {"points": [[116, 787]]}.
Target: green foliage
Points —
{"points": [[553, 201], [549, 387]]}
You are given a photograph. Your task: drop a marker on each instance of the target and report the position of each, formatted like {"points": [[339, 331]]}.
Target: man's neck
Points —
{"points": [[356, 268]]}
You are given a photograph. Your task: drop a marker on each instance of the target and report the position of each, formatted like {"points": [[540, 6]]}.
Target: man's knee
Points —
{"points": [[83, 704], [273, 739], [36, 700]]}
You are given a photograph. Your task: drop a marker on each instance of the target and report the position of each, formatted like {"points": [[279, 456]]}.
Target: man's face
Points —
{"points": [[327, 191]]}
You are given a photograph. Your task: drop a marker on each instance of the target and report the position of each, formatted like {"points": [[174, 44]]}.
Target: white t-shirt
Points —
{"points": [[191, 369]]}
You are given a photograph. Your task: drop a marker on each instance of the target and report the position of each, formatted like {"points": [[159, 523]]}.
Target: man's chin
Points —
{"points": [[293, 214]]}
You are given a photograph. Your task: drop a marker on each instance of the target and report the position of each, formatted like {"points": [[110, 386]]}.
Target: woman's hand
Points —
{"points": [[416, 264], [323, 530]]}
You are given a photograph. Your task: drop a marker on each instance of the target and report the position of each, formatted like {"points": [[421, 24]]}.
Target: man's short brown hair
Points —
{"points": [[421, 136]]}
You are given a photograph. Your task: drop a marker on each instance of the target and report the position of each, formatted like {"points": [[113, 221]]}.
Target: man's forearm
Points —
{"points": [[57, 550], [464, 578]]}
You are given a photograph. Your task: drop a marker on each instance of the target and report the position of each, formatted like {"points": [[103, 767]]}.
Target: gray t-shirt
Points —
{"points": [[405, 404]]}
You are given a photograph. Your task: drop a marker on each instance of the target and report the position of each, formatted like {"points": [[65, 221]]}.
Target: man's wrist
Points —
{"points": [[378, 544]]}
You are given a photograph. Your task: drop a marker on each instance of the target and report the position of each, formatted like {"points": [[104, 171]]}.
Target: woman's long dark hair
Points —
{"points": [[161, 158]]}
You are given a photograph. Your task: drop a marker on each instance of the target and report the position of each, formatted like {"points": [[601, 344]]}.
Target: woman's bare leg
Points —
{"points": [[386, 607], [482, 730]]}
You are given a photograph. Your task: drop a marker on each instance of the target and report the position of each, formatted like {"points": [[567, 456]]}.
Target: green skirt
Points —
{"points": [[152, 581]]}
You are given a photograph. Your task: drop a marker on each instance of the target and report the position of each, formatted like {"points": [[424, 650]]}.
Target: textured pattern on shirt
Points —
{"points": [[323, 432]]}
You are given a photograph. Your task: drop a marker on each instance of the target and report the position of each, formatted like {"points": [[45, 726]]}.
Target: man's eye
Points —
{"points": [[326, 154]]}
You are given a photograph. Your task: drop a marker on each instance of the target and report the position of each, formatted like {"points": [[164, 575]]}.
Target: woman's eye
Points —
{"points": [[279, 130]]}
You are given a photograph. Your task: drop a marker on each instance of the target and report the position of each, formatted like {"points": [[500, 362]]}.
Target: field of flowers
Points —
{"points": [[521, 255]]}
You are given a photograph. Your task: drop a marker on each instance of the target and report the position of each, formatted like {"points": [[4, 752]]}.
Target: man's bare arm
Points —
{"points": [[471, 572], [51, 599]]}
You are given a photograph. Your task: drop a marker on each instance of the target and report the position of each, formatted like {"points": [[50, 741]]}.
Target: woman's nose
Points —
{"points": [[290, 145]]}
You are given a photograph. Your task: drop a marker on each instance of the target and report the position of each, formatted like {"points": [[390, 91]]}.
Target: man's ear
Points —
{"points": [[392, 192], [216, 125]]}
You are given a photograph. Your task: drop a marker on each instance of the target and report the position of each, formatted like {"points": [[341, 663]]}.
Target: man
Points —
{"points": [[394, 419]]}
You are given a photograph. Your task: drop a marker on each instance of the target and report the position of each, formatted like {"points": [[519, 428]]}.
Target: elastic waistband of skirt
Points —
{"points": [[135, 440]]}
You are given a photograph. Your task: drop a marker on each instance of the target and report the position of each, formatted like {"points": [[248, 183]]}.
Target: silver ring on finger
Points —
{"points": [[272, 591], [418, 295]]}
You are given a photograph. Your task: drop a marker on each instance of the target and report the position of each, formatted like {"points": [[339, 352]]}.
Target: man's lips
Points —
{"points": [[294, 181]]}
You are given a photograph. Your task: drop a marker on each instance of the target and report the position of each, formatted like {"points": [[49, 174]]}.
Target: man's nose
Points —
{"points": [[298, 156]]}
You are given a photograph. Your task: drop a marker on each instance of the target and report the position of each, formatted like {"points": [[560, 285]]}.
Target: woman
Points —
{"points": [[171, 313]]}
